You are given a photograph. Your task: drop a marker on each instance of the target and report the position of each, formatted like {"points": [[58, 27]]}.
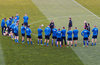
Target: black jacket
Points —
{"points": [[70, 23]]}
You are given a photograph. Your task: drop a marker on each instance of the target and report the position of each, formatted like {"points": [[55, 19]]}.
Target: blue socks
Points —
{"points": [[38, 41], [28, 42], [87, 43], [57, 45], [15, 40], [75, 45], [41, 41], [31, 42], [60, 45], [95, 44], [47, 44], [84, 43], [11, 36], [92, 44], [44, 43]]}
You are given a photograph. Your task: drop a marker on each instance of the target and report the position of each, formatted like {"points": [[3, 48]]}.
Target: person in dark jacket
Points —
{"points": [[70, 23], [88, 28], [51, 26]]}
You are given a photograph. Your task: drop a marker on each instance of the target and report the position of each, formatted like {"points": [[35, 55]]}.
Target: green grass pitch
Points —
{"points": [[18, 54]]}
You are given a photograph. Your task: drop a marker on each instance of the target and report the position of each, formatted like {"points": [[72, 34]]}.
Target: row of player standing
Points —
{"points": [[59, 36]]}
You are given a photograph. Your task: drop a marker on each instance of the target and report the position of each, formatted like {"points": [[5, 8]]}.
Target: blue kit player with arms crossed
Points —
{"points": [[95, 34], [54, 35], [63, 35], [28, 33], [59, 37], [75, 38], [25, 18], [40, 35], [23, 32], [85, 33], [69, 38], [47, 35]]}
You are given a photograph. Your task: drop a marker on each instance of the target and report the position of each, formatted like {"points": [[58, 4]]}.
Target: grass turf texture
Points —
{"points": [[18, 54]]}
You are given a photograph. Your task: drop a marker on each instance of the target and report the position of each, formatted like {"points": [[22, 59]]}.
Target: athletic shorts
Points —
{"points": [[28, 36], [40, 37], [69, 39], [94, 37], [85, 38], [23, 35], [16, 34], [54, 37], [58, 39], [75, 38], [12, 30], [47, 37], [26, 24]]}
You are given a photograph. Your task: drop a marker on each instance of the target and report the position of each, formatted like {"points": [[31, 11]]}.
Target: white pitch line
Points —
{"points": [[2, 62], [85, 9]]}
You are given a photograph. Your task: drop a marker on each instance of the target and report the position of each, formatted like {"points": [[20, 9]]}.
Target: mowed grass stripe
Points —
{"points": [[60, 8]]}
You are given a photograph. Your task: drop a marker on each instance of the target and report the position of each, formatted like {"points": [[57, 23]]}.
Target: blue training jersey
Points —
{"points": [[28, 31], [17, 17], [2, 23], [58, 34], [15, 29], [12, 25], [25, 19], [47, 31], [63, 32], [23, 30], [95, 31], [8, 23], [54, 32], [40, 32], [85, 33], [75, 32], [15, 20], [69, 34]]}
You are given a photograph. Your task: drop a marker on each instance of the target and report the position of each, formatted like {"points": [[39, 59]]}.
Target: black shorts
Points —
{"points": [[26, 24], [75, 38], [23, 35], [58, 39], [85, 38], [47, 37], [94, 37], [16, 34], [54, 37], [40, 37], [69, 39], [28, 36], [12, 30]]}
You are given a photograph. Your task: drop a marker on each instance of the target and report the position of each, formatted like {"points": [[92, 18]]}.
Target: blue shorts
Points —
{"points": [[26, 24], [75, 38], [94, 37], [54, 37], [39, 37], [16, 34], [69, 39], [28, 36], [58, 39], [23, 35], [47, 37], [85, 38]]}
